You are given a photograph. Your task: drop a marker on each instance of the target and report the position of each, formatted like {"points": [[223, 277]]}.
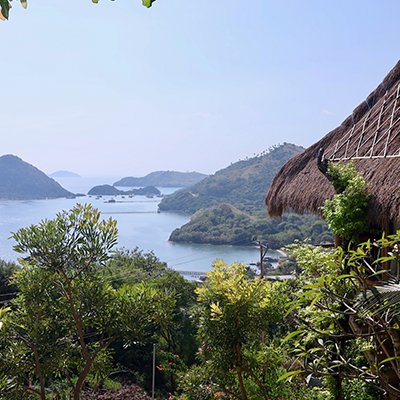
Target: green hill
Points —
{"points": [[108, 190], [228, 207], [20, 180], [242, 184], [225, 224], [163, 179]]}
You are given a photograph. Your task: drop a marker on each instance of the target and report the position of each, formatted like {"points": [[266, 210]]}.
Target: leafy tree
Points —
{"points": [[62, 255], [238, 319], [176, 344], [7, 289], [66, 314]]}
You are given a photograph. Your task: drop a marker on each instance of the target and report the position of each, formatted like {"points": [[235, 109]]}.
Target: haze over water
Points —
{"points": [[139, 225]]}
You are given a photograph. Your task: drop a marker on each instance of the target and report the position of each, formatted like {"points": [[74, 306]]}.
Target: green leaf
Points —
{"points": [[148, 3], [5, 9], [289, 375], [389, 359], [292, 335], [95, 1]]}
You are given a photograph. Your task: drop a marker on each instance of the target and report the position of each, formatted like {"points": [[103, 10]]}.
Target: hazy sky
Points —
{"points": [[116, 89]]}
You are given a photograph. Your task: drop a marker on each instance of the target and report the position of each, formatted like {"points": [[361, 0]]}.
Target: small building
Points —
{"points": [[370, 137]]}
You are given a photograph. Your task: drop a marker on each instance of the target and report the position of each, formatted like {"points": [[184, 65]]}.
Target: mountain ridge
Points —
{"points": [[242, 184], [20, 180], [163, 179]]}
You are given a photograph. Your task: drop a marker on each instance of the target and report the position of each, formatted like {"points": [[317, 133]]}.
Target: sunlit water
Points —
{"points": [[139, 225]]}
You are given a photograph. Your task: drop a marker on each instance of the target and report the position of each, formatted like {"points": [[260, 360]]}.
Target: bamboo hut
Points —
{"points": [[370, 137]]}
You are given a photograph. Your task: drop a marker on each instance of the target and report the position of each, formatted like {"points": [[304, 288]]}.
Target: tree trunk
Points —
{"points": [[39, 374], [81, 380], [238, 351]]}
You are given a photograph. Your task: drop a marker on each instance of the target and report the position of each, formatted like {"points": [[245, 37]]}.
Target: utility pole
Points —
{"points": [[263, 246]]}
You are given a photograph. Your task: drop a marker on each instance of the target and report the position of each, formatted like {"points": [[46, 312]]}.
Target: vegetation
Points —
{"points": [[163, 179], [108, 190], [346, 212], [229, 206], [347, 321], [84, 322], [69, 327], [243, 184], [225, 224], [241, 326]]}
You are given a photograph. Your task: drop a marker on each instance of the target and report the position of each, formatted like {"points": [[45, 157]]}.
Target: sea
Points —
{"points": [[139, 225]]}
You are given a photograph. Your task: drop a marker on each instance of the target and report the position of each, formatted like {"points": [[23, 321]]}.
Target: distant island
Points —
{"points": [[163, 179], [108, 190], [228, 207], [64, 174], [22, 181]]}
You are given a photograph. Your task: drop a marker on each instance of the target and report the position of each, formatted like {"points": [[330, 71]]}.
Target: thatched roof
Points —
{"points": [[371, 137]]}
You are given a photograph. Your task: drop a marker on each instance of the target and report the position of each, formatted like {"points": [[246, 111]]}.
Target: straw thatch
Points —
{"points": [[370, 137]]}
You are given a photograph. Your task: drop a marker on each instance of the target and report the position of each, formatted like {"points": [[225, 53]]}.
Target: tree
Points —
{"points": [[62, 258], [238, 317], [59, 328], [5, 6]]}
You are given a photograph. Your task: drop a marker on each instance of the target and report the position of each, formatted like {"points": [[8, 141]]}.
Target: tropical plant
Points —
{"points": [[346, 212], [347, 317]]}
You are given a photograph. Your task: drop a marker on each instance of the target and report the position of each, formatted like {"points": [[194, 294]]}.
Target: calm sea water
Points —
{"points": [[139, 225]]}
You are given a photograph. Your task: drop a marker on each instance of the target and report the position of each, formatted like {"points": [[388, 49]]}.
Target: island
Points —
{"points": [[64, 174], [163, 179], [228, 207], [22, 181], [108, 190]]}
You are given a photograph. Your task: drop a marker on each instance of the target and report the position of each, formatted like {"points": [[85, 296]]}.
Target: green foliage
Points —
{"points": [[66, 315], [7, 289], [133, 266], [229, 206], [240, 320], [225, 224], [339, 300], [346, 212], [243, 184], [172, 179], [176, 343]]}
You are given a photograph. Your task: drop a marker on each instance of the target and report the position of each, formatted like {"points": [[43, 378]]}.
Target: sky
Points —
{"points": [[116, 89]]}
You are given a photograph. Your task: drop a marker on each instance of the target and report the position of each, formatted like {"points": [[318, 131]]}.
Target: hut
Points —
{"points": [[370, 137]]}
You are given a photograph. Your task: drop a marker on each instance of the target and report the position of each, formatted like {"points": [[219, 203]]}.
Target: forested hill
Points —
{"points": [[20, 180], [229, 206], [163, 179], [242, 184]]}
